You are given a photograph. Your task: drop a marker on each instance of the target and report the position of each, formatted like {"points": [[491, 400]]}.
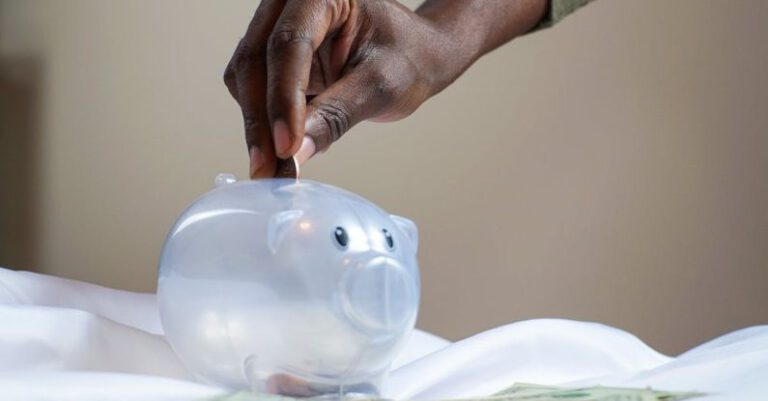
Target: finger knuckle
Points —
{"points": [[336, 8], [288, 35], [250, 123], [243, 59], [229, 76], [254, 128], [386, 91], [336, 117], [382, 85]]}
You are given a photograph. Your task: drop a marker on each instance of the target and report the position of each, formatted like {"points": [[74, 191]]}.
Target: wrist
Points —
{"points": [[457, 44]]}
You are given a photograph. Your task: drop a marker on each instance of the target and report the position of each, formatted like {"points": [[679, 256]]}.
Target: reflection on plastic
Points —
{"points": [[289, 287]]}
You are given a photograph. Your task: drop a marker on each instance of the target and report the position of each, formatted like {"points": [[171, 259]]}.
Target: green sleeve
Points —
{"points": [[559, 9]]}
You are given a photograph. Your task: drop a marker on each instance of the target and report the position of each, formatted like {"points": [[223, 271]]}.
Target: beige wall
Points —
{"points": [[614, 168]]}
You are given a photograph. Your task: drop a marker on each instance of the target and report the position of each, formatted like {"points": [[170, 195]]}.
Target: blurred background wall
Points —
{"points": [[613, 168]]}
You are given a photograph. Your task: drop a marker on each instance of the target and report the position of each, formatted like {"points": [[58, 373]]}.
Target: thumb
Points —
{"points": [[347, 102]]}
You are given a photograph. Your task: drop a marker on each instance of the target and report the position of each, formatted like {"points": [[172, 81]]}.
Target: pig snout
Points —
{"points": [[378, 295]]}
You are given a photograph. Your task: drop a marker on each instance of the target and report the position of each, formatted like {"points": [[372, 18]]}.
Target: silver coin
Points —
{"points": [[287, 168]]}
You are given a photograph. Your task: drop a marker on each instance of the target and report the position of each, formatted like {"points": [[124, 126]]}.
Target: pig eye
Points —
{"points": [[341, 237], [388, 237]]}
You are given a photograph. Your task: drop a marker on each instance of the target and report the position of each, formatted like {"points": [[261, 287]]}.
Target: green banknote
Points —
{"points": [[536, 392], [520, 392]]}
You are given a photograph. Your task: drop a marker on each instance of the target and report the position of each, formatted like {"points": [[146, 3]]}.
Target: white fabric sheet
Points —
{"points": [[66, 340]]}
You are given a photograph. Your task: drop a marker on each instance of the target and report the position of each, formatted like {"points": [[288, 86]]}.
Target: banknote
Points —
{"points": [[536, 392], [518, 392]]}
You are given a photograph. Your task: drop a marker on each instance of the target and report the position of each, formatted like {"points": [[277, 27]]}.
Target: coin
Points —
{"points": [[287, 168]]}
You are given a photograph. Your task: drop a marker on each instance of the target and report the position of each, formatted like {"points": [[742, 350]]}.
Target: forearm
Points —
{"points": [[480, 26], [484, 25]]}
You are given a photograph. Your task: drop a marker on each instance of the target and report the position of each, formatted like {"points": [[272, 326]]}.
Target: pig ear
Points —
{"points": [[280, 224], [409, 229]]}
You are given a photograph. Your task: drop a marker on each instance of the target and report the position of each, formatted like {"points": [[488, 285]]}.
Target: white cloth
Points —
{"points": [[66, 340]]}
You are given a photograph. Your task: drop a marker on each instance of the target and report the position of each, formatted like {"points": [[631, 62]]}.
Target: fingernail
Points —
{"points": [[257, 159], [306, 150], [281, 137]]}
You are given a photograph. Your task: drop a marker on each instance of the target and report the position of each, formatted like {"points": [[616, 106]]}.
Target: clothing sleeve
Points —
{"points": [[559, 9]]}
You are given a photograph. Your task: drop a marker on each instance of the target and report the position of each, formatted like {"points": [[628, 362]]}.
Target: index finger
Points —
{"points": [[297, 34]]}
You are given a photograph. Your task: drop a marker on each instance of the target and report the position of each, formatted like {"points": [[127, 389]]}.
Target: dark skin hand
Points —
{"points": [[306, 71]]}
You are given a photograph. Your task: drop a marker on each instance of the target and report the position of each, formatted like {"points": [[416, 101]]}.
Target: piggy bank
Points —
{"points": [[288, 287]]}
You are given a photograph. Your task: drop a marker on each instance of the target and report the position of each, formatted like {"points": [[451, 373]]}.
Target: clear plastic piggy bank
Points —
{"points": [[288, 287]]}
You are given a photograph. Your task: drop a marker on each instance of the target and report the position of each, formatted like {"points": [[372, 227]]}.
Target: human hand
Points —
{"points": [[308, 70]]}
